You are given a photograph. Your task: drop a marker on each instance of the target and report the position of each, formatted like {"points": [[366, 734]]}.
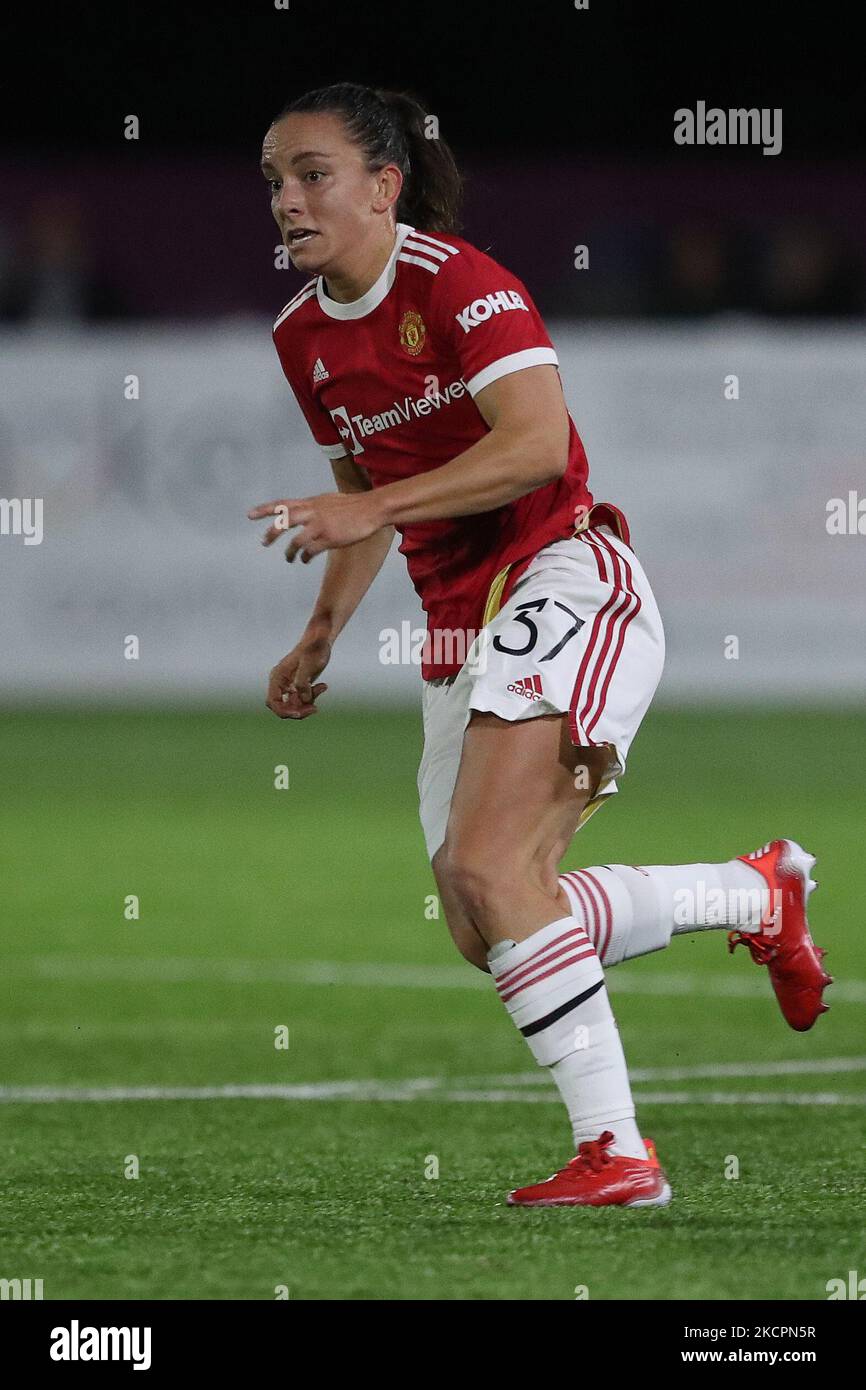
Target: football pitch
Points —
{"points": [[280, 1079]]}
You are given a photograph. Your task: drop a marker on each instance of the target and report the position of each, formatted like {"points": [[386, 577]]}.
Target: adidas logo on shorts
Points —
{"points": [[528, 686]]}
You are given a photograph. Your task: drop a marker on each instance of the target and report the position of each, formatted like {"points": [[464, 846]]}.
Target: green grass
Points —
{"points": [[240, 885]]}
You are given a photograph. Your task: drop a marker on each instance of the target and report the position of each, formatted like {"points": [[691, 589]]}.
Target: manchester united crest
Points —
{"points": [[412, 332]]}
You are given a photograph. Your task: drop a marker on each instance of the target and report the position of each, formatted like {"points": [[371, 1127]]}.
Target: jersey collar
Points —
{"points": [[359, 308]]}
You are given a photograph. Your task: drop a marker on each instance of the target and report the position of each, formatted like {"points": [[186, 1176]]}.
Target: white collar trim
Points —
{"points": [[359, 308]]}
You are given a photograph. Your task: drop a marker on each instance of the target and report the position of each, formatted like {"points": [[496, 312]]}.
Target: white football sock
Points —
{"points": [[552, 985], [630, 910]]}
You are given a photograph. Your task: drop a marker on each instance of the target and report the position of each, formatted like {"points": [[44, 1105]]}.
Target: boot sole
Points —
{"points": [[661, 1200], [802, 862]]}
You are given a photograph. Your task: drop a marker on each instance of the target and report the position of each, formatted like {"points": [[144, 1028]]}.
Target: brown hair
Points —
{"points": [[391, 128]]}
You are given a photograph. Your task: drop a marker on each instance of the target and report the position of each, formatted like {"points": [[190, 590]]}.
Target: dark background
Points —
{"points": [[562, 121], [530, 78]]}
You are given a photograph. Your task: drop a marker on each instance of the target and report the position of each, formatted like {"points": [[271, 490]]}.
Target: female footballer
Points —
{"points": [[426, 375]]}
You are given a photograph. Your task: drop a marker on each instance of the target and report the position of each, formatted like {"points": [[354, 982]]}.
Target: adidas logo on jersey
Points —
{"points": [[528, 686], [320, 371], [480, 310]]}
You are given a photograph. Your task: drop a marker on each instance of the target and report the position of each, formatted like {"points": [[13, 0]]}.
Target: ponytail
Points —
{"points": [[393, 128]]}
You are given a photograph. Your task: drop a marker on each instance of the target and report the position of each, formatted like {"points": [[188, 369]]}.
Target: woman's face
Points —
{"points": [[324, 199]]}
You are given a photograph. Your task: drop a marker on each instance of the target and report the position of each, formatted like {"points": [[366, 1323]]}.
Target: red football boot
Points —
{"points": [[783, 943], [596, 1178]]}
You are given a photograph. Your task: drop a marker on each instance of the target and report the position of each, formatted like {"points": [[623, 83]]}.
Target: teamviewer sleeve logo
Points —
{"points": [[340, 417], [480, 310]]}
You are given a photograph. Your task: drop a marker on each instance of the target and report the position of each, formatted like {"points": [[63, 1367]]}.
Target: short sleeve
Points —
{"points": [[487, 318], [322, 427]]}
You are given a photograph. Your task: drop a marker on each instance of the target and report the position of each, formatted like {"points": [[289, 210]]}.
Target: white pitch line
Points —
{"points": [[750, 1098], [70, 1028], [384, 975], [498, 1083], [679, 1097], [718, 986], [234, 971], [414, 1088], [323, 1090], [805, 1066]]}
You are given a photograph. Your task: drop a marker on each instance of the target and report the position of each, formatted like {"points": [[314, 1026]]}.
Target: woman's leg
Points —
{"points": [[464, 931], [513, 813], [632, 909]]}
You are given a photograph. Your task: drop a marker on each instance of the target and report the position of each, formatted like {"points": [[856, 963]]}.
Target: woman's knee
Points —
{"points": [[484, 881], [464, 933], [470, 945]]}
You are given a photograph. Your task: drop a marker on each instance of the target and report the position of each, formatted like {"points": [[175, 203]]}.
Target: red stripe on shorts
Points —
{"points": [[635, 608], [612, 618]]}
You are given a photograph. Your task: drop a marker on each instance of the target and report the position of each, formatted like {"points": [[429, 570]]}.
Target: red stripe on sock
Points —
{"points": [[542, 958], [584, 896], [589, 950], [606, 908], [506, 976]]}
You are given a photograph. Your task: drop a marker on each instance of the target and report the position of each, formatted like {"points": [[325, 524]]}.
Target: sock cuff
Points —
{"points": [[601, 899], [500, 949], [561, 930]]}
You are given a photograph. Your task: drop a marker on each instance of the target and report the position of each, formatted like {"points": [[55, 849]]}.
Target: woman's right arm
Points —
{"points": [[293, 687]]}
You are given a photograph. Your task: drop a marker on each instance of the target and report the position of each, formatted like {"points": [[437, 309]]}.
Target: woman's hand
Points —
{"points": [[329, 521], [292, 692]]}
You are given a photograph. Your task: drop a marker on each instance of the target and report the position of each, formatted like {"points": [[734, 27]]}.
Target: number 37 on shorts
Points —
{"points": [[580, 635]]}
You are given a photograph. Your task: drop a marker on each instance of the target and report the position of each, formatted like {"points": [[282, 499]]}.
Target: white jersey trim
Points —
{"points": [[434, 241], [332, 451], [427, 248], [300, 298], [359, 308], [420, 260], [514, 362]]}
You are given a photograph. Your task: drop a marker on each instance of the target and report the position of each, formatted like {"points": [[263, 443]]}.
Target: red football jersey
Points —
{"points": [[390, 379]]}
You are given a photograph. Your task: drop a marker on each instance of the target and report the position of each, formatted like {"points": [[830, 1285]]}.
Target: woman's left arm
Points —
{"points": [[527, 447]]}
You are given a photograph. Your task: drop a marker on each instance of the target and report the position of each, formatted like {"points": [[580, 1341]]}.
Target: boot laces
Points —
{"points": [[762, 951], [592, 1155]]}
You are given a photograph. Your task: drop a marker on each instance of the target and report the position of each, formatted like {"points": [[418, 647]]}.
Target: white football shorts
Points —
{"points": [[581, 635]]}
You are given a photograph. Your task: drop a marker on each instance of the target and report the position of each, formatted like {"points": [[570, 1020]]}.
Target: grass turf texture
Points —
{"points": [[238, 881]]}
